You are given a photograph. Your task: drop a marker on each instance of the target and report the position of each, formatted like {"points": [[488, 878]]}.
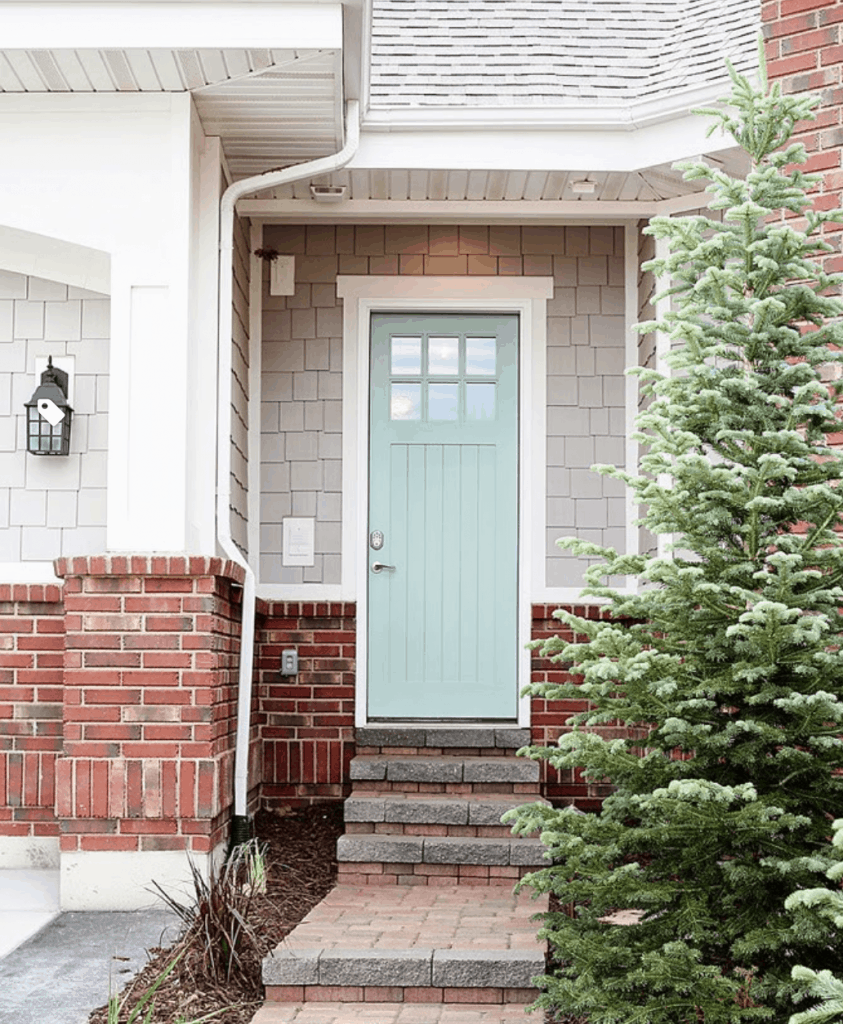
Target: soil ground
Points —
{"points": [[301, 870]]}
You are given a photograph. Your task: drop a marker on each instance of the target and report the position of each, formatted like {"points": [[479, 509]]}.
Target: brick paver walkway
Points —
{"points": [[409, 917], [392, 1013]]}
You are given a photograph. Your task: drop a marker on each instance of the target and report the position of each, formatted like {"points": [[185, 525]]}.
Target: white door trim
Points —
{"points": [[526, 296]]}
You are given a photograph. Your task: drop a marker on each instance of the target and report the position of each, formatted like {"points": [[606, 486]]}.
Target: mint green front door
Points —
{"points": [[443, 506]]}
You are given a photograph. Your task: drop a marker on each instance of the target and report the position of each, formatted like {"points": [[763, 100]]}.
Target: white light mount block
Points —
{"points": [[298, 545], [282, 275]]}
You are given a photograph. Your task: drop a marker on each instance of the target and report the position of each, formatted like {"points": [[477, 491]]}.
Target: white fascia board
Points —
{"points": [[536, 149], [41, 24], [428, 211], [24, 252]]}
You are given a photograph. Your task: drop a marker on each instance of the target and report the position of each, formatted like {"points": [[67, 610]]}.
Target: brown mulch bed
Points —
{"points": [[301, 870]]}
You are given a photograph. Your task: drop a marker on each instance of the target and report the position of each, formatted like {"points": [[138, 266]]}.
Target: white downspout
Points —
{"points": [[235, 191]]}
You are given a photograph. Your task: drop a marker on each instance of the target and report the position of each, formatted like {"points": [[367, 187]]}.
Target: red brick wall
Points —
{"points": [[804, 48], [306, 720], [549, 717], [149, 702], [31, 660]]}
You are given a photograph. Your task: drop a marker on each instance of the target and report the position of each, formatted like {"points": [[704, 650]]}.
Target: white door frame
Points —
{"points": [[362, 296]]}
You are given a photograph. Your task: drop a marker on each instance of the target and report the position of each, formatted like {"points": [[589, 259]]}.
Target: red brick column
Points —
{"points": [[31, 670], [307, 720], [804, 48], [149, 702], [548, 718]]}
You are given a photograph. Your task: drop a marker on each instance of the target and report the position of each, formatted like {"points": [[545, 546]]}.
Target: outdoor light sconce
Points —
{"points": [[48, 415]]}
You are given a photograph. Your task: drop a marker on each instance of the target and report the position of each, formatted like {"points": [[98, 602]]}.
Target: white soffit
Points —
{"points": [[268, 106], [111, 24], [501, 191]]}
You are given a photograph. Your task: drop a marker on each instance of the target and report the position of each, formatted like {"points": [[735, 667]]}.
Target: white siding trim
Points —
{"points": [[526, 296], [27, 572], [24, 252], [631, 383], [661, 305], [254, 438]]}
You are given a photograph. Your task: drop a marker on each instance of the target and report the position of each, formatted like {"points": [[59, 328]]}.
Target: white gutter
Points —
{"points": [[235, 191]]}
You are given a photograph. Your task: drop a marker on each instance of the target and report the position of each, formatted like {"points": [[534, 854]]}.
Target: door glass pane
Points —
{"points": [[480, 355], [480, 401], [442, 402], [443, 355], [405, 402], [406, 355]]}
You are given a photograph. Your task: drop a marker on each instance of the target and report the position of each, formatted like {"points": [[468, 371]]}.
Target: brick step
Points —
{"points": [[480, 741], [442, 875], [410, 945], [429, 814], [390, 1013], [452, 770]]}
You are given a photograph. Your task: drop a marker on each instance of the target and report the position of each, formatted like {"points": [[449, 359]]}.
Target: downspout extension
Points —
{"points": [[241, 827]]}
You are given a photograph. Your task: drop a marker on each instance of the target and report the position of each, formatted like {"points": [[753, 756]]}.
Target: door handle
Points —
{"points": [[380, 566]]}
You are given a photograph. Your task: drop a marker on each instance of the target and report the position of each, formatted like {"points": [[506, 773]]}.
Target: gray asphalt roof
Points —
{"points": [[459, 53]]}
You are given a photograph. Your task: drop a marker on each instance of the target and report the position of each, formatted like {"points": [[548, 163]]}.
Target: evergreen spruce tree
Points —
{"points": [[825, 904], [727, 666]]}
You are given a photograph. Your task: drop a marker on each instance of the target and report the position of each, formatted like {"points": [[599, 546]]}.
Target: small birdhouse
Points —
{"points": [[48, 415]]}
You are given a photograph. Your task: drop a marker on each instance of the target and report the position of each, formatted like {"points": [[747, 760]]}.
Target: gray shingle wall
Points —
{"points": [[585, 397], [437, 53], [302, 378], [240, 387], [52, 506]]}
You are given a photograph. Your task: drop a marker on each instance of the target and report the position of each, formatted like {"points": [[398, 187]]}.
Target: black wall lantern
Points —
{"points": [[48, 415]]}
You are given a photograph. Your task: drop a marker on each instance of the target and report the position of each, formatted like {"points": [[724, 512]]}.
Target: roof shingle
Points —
{"points": [[463, 53]]}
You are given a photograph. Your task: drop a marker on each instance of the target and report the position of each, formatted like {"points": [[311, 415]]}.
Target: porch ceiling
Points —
{"points": [[270, 107], [458, 186]]}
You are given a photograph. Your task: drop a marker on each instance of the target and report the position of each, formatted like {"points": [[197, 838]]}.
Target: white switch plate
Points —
{"points": [[282, 275], [298, 541]]}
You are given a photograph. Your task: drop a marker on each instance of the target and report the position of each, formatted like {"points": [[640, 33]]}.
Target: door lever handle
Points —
{"points": [[380, 566]]}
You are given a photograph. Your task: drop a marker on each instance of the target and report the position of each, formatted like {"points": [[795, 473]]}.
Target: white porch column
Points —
{"points": [[150, 345]]}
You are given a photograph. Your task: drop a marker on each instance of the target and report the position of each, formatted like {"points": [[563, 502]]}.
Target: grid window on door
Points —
{"points": [[435, 378]]}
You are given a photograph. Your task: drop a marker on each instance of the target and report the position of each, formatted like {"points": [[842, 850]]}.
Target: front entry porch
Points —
{"points": [[424, 910]]}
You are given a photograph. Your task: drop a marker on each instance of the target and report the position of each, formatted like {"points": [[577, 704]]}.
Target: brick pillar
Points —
{"points": [[307, 720], [804, 48], [548, 718], [146, 773], [31, 669]]}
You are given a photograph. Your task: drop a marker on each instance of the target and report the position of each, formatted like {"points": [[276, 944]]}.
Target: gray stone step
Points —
{"points": [[403, 968], [409, 849], [445, 769], [483, 738], [484, 810]]}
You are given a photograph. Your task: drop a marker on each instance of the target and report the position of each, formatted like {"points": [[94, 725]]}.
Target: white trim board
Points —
{"points": [[362, 296], [555, 212]]}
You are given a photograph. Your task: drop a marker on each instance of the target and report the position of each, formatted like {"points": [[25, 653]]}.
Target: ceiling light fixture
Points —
{"points": [[582, 186], [328, 193]]}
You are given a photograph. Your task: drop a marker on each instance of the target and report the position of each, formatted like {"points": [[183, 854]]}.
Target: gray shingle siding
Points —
{"points": [[52, 506]]}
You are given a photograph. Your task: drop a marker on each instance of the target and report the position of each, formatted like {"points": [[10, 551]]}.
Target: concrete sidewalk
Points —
{"points": [[55, 968]]}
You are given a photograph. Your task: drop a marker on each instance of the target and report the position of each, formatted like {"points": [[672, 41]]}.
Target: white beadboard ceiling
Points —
{"points": [[270, 107], [655, 183]]}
